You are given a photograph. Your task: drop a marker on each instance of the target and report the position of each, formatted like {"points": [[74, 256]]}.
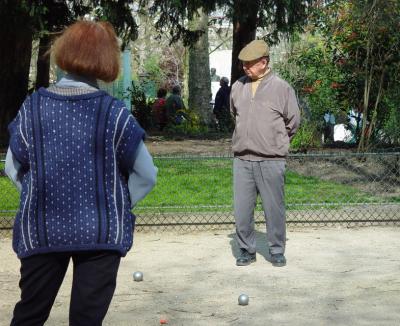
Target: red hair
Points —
{"points": [[89, 49]]}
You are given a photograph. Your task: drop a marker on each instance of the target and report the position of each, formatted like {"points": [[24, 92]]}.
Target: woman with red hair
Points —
{"points": [[78, 158]]}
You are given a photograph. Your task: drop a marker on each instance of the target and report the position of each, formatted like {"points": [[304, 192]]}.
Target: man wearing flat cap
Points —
{"points": [[266, 118]]}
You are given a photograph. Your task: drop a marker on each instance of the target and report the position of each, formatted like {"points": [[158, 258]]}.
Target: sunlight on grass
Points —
{"points": [[206, 185], [202, 185]]}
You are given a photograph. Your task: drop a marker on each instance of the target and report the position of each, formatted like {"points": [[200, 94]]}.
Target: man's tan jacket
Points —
{"points": [[265, 122]]}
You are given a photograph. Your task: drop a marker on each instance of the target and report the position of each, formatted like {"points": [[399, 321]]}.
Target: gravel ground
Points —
{"points": [[334, 276]]}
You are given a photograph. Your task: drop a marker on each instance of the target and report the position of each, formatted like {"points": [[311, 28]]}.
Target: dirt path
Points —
{"points": [[334, 276], [159, 146]]}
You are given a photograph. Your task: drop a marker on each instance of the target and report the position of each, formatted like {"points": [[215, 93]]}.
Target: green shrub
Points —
{"points": [[190, 126], [141, 107], [392, 122], [308, 136]]}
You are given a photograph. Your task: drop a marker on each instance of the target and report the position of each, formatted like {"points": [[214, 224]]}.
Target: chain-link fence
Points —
{"points": [[195, 192]]}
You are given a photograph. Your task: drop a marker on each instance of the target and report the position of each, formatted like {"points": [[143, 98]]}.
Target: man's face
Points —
{"points": [[255, 68]]}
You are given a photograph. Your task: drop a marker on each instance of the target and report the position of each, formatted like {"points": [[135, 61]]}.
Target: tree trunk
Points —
{"points": [[43, 63], [367, 89], [15, 56], [199, 71], [375, 110], [244, 31]]}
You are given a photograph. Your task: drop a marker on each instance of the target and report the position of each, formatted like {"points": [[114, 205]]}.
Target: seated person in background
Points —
{"points": [[174, 107], [158, 108]]}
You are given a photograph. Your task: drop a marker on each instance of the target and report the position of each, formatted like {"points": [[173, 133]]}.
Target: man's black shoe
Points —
{"points": [[245, 258], [278, 260]]}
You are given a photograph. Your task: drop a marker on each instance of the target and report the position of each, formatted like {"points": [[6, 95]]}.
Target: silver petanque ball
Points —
{"points": [[138, 276], [243, 299]]}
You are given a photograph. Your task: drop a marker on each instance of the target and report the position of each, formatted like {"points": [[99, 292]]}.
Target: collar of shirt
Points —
{"points": [[262, 76], [256, 82], [71, 80]]}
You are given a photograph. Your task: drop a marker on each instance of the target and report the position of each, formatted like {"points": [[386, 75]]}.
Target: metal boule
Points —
{"points": [[243, 299], [138, 276]]}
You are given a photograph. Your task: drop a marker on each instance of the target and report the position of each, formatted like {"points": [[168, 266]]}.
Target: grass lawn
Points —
{"points": [[206, 185]]}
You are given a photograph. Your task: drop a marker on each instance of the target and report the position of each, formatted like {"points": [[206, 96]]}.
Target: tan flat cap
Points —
{"points": [[254, 50]]}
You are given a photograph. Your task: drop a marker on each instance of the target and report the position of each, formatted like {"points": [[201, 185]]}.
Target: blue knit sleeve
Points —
{"points": [[19, 136], [143, 175], [131, 136]]}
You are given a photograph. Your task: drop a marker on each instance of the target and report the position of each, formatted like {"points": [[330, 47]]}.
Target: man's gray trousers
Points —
{"points": [[267, 179]]}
